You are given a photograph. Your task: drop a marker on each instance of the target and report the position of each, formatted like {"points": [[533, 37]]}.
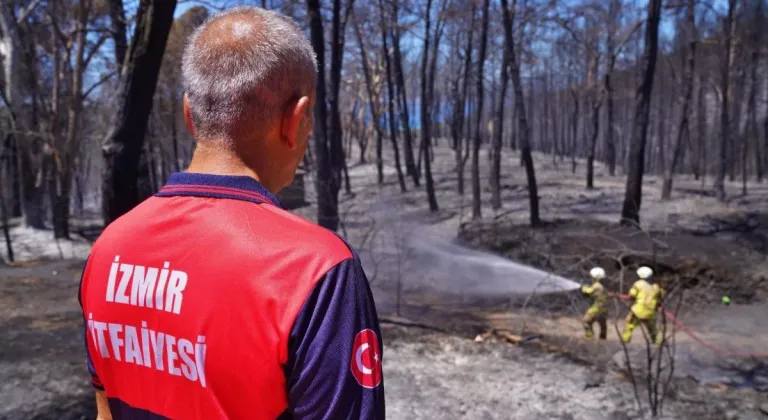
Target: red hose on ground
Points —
{"points": [[715, 349]]}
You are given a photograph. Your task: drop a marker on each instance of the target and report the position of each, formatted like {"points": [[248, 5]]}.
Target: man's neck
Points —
{"points": [[220, 161]]}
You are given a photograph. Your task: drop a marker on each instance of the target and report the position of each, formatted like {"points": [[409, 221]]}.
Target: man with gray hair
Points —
{"points": [[208, 300]]}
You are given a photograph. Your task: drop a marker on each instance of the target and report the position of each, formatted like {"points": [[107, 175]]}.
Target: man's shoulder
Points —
{"points": [[642, 284], [298, 232], [124, 226]]}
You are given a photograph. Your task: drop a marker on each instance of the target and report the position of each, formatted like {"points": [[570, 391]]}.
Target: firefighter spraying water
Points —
{"points": [[597, 311], [646, 295]]}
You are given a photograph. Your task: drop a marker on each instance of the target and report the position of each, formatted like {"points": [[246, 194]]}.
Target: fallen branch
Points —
{"points": [[512, 338], [411, 324]]}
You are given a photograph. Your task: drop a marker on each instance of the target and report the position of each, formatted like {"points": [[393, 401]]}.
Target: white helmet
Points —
{"points": [[597, 273], [644, 272]]}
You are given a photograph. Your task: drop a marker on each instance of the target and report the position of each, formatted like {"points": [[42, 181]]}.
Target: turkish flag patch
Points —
{"points": [[366, 359]]}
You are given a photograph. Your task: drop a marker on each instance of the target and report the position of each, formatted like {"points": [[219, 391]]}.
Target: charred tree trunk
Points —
{"points": [[66, 156], [327, 209], [476, 200], [574, 129], [610, 145], [701, 131], [28, 157], [725, 89], [125, 140], [427, 87], [525, 147], [410, 165], [373, 103], [335, 129], [595, 117], [683, 127], [391, 98], [498, 132], [752, 128], [459, 111], [5, 160], [630, 212], [765, 138], [119, 31]]}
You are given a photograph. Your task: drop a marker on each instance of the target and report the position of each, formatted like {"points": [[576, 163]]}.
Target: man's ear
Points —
{"points": [[188, 115], [292, 119]]}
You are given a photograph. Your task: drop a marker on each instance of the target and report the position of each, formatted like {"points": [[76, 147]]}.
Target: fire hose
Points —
{"points": [[717, 350]]}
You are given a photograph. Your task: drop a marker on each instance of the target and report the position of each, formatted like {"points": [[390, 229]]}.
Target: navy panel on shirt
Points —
{"points": [[325, 353], [121, 410]]}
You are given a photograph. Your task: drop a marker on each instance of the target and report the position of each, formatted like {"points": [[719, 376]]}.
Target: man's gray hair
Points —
{"points": [[245, 63]]}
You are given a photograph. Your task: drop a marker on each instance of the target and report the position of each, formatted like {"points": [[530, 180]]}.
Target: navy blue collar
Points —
{"points": [[219, 186]]}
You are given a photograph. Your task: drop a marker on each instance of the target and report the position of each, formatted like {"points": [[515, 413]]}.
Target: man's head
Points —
{"points": [[249, 78]]}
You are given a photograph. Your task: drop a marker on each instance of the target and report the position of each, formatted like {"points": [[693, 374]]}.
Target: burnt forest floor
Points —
{"points": [[710, 249]]}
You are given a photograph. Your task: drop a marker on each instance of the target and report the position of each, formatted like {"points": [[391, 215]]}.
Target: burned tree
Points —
{"points": [[373, 102], [524, 133], [427, 92], [390, 97], [630, 211], [683, 128], [125, 139], [476, 200], [459, 96], [726, 65], [498, 131]]}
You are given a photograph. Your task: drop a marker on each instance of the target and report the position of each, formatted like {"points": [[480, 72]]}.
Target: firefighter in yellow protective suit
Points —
{"points": [[646, 296], [598, 311]]}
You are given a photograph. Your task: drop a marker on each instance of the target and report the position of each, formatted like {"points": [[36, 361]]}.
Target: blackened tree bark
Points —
{"points": [[402, 96], [4, 158], [684, 126], [327, 208], [700, 170], [753, 131], [610, 145], [26, 163], [596, 102], [574, 127], [765, 138], [125, 140], [426, 98], [119, 30], [499, 130], [476, 203], [725, 91], [630, 211], [460, 105], [524, 129], [373, 102], [60, 196], [434, 99], [119, 36], [390, 97], [756, 39], [335, 129]]}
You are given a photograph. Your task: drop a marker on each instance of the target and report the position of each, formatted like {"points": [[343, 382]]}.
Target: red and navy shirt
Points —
{"points": [[209, 301]]}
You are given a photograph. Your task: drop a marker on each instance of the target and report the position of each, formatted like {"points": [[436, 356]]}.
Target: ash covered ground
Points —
{"points": [[449, 375]]}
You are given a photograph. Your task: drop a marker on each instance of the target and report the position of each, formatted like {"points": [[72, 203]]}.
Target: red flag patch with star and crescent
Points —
{"points": [[366, 359]]}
